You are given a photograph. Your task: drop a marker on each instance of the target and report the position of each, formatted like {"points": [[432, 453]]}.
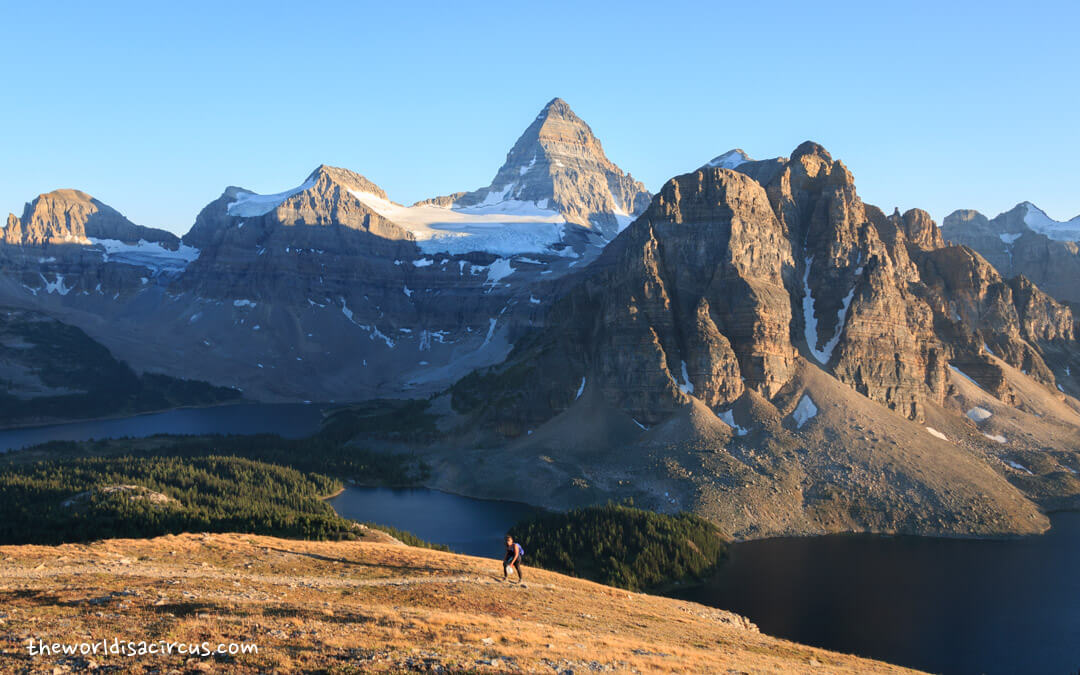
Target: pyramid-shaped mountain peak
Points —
{"points": [[325, 176], [558, 164]]}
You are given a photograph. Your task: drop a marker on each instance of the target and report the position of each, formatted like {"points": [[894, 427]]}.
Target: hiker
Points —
{"points": [[512, 561]]}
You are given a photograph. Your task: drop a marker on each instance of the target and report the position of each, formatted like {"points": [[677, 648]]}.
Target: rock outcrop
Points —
{"points": [[74, 217]]}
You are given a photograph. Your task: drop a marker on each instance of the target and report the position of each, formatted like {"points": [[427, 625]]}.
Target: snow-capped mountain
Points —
{"points": [[729, 160], [558, 167], [1037, 220], [1024, 241]]}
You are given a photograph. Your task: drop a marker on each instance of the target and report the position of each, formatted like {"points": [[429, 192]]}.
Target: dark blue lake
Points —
{"points": [[943, 605], [291, 420]]}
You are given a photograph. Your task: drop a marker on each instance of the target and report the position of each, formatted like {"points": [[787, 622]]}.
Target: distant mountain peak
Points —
{"points": [[558, 164], [557, 107], [730, 159], [811, 148], [69, 216]]}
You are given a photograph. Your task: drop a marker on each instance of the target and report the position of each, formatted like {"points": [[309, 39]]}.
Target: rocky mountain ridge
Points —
{"points": [[777, 349], [1024, 241]]}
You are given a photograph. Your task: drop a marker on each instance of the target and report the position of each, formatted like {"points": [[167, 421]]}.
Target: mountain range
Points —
{"points": [[753, 343], [266, 292], [1024, 241]]}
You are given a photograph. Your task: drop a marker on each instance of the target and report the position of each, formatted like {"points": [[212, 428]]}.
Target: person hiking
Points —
{"points": [[512, 561]]}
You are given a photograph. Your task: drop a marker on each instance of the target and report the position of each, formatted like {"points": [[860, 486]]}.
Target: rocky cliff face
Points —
{"points": [[559, 164], [719, 283], [1024, 241]]}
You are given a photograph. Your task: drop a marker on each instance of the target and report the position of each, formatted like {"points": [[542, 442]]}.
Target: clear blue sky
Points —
{"points": [[155, 108]]}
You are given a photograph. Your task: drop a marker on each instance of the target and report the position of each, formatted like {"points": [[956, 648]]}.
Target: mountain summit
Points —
{"points": [[74, 217], [559, 164]]}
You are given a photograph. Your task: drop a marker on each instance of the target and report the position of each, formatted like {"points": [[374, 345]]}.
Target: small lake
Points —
{"points": [[471, 526], [292, 420]]}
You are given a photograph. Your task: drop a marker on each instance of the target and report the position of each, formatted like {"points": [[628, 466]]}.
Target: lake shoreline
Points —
{"points": [[124, 416]]}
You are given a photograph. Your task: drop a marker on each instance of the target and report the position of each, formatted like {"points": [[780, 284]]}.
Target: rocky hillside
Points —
{"points": [[360, 607], [559, 164], [763, 348], [1026, 242], [267, 292], [51, 371]]}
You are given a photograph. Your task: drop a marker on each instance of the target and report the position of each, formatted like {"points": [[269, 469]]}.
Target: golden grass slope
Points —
{"points": [[361, 606]]}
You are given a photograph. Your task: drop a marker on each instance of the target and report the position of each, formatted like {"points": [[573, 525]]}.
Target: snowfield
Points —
{"points": [[500, 226], [250, 205], [1037, 220], [150, 255]]}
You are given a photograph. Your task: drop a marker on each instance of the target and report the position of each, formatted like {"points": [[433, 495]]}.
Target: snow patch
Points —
{"points": [[490, 332], [580, 389], [345, 310], [1019, 467], [978, 414], [937, 434], [640, 425], [963, 375], [499, 270], [804, 412], [1010, 239], [56, 286], [728, 418], [997, 438], [243, 303], [250, 204], [150, 255], [810, 323], [685, 386]]}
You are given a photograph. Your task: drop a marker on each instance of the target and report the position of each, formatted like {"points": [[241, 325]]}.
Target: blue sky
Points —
{"points": [[155, 109]]}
